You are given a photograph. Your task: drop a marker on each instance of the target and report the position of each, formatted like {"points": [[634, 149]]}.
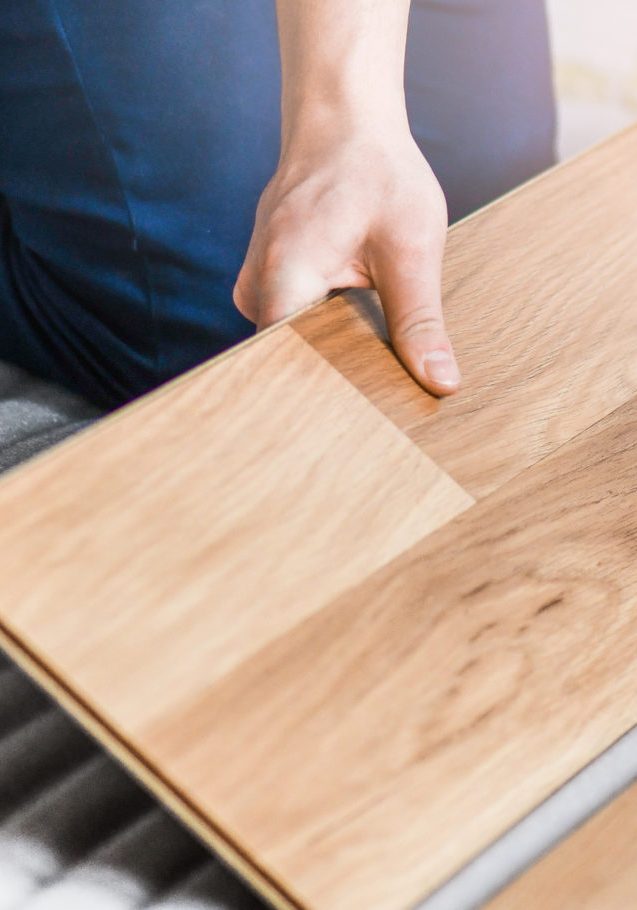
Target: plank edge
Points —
{"points": [[119, 749], [167, 387]]}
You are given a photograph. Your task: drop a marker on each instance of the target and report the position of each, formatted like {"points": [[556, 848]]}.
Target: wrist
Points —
{"points": [[342, 67], [322, 118]]}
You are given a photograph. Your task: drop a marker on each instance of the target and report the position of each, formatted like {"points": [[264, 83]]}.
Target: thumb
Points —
{"points": [[409, 284]]}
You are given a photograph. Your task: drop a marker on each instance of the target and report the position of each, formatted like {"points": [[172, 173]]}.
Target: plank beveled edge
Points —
{"points": [[116, 746]]}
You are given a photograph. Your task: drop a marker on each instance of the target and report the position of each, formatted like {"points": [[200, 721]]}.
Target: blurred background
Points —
{"points": [[595, 51]]}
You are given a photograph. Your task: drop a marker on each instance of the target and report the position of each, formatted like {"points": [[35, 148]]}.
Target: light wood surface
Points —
{"points": [[539, 293], [421, 714], [198, 533], [594, 869], [268, 587]]}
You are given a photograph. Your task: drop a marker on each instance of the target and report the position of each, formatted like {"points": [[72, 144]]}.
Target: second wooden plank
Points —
{"points": [[369, 752], [594, 869]]}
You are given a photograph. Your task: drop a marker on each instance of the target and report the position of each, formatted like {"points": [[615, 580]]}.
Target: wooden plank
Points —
{"points": [[594, 869], [539, 293], [172, 540], [402, 728], [368, 751], [258, 590], [219, 506]]}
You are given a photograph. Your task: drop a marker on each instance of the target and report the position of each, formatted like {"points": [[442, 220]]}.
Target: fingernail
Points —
{"points": [[441, 368]]}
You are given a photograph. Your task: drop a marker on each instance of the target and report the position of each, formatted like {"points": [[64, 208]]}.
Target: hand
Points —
{"points": [[355, 209]]}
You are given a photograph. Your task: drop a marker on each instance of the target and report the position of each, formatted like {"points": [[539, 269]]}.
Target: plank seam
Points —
{"points": [[117, 745]]}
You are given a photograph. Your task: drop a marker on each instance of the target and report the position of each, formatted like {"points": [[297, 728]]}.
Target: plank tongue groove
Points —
{"points": [[268, 588]]}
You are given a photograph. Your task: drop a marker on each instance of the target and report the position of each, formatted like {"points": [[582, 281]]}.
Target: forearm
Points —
{"points": [[342, 62], [353, 203]]}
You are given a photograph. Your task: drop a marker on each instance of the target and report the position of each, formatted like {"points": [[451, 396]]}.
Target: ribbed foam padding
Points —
{"points": [[76, 833]]}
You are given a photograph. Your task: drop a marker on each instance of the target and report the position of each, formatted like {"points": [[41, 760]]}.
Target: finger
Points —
{"points": [[243, 299], [408, 280], [286, 287]]}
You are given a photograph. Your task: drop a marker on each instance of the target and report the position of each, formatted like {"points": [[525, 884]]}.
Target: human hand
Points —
{"points": [[355, 208]]}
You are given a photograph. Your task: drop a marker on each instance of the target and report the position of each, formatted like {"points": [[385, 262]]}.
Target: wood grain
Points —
{"points": [[539, 295], [594, 869], [368, 751], [231, 520], [258, 588], [405, 726]]}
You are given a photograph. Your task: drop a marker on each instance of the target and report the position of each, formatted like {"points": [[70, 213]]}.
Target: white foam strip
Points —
{"points": [[553, 820]]}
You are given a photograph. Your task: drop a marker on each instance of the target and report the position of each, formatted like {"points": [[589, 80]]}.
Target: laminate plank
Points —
{"points": [[194, 533], [593, 869], [539, 294], [368, 750], [273, 605], [398, 731]]}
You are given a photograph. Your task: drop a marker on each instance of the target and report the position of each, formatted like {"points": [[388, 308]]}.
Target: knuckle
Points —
{"points": [[419, 321], [272, 311], [242, 299], [237, 298]]}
